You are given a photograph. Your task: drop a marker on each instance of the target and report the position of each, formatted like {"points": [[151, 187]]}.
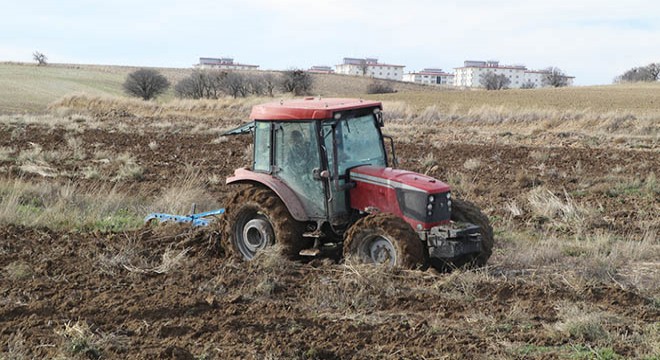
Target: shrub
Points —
{"points": [[379, 87], [145, 84], [528, 85]]}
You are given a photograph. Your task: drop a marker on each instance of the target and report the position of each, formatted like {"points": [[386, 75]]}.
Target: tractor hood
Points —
{"points": [[398, 179], [420, 200]]}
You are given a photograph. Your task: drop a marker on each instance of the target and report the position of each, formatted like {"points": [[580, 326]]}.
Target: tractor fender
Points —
{"points": [[283, 191]]}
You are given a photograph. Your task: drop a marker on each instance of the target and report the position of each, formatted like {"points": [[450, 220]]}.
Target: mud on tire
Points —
{"points": [[265, 209], [362, 239], [466, 211]]}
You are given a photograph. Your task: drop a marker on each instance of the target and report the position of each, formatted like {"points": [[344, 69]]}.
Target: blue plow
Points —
{"points": [[199, 219]]}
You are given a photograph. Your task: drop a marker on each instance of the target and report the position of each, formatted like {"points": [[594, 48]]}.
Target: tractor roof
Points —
{"points": [[308, 108]]}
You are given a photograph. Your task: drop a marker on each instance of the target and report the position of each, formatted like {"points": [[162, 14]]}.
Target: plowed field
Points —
{"points": [[170, 292]]}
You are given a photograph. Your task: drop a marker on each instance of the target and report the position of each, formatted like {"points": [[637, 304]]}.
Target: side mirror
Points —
{"points": [[379, 117]]}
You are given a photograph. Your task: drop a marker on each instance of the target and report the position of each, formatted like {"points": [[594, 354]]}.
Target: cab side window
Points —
{"points": [[262, 146]]}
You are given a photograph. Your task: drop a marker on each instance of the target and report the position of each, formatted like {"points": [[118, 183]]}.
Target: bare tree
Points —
{"points": [[529, 84], [296, 81], [40, 58], [654, 70], [192, 86], [201, 84], [636, 74], [364, 67], [235, 84], [270, 82], [492, 81], [145, 83], [255, 84], [212, 84], [554, 77]]}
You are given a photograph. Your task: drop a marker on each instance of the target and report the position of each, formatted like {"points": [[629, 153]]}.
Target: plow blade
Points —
{"points": [[200, 219]]}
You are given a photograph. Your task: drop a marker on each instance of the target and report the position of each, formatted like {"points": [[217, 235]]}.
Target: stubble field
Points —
{"points": [[570, 188]]}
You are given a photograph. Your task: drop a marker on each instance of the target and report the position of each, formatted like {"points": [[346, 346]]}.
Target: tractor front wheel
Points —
{"points": [[256, 218], [384, 239]]}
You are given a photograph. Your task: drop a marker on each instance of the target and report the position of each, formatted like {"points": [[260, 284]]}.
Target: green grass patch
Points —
{"points": [[69, 207], [121, 220]]}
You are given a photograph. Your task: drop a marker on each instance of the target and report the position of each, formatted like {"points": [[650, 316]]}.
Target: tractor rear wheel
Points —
{"points": [[384, 239], [257, 218], [466, 211]]}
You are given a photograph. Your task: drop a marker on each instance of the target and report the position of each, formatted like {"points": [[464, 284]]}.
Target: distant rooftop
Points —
{"points": [[321, 69], [368, 61], [226, 61], [489, 64]]}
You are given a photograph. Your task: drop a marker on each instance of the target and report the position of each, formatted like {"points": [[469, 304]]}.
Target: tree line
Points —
{"points": [[213, 84], [648, 73]]}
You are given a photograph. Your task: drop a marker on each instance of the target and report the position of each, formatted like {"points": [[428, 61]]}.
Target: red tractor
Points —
{"points": [[321, 180]]}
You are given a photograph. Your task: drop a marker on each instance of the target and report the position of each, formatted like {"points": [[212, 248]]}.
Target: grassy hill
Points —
{"points": [[27, 88]]}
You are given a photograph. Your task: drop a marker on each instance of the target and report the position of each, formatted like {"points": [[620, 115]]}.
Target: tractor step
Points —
{"points": [[310, 252], [313, 234], [319, 249]]}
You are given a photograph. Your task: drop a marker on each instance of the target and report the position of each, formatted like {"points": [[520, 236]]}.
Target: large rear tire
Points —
{"points": [[384, 239], [465, 211], [257, 218]]}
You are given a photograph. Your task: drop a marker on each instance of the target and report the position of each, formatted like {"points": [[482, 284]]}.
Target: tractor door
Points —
{"points": [[351, 141], [296, 158], [337, 199]]}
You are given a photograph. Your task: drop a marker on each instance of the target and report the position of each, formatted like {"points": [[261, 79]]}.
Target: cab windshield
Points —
{"points": [[358, 143]]}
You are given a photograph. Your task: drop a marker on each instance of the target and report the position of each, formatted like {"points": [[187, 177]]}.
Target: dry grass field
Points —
{"points": [[27, 88], [568, 178]]}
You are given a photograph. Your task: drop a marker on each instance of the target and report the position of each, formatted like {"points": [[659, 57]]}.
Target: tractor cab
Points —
{"points": [[310, 145]]}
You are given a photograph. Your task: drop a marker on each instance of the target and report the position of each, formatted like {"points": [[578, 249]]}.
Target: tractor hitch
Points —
{"points": [[452, 241]]}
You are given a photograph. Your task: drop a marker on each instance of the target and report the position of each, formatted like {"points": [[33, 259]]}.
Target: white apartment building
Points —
{"points": [[430, 76], [536, 77], [370, 67], [469, 75], [223, 64], [321, 69]]}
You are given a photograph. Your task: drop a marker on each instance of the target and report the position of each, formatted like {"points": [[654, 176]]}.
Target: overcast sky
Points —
{"points": [[593, 40]]}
